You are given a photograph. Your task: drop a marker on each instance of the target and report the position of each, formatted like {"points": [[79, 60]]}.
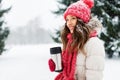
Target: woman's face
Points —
{"points": [[71, 22]]}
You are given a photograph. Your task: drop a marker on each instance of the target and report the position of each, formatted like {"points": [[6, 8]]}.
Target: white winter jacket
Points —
{"points": [[91, 67]]}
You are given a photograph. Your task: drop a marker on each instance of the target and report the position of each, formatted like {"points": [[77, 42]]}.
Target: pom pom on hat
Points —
{"points": [[90, 3], [81, 9]]}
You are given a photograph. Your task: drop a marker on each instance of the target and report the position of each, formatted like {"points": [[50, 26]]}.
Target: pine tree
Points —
{"points": [[108, 11], [4, 31], [56, 38]]}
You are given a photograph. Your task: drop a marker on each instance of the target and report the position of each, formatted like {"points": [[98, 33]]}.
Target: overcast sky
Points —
{"points": [[24, 10]]}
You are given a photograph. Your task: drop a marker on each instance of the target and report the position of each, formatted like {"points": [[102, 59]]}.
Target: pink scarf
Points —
{"points": [[69, 62]]}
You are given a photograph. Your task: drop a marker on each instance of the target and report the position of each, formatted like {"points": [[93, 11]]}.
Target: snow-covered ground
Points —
{"points": [[30, 62]]}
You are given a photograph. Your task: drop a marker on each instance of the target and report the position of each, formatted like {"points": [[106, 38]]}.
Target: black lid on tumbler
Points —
{"points": [[55, 50]]}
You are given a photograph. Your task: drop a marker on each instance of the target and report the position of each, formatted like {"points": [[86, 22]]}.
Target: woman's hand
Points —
{"points": [[51, 65]]}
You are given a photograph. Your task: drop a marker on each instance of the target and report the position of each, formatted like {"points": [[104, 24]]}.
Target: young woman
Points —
{"points": [[83, 52]]}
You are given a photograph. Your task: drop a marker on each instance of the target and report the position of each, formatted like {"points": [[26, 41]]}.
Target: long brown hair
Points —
{"points": [[80, 36]]}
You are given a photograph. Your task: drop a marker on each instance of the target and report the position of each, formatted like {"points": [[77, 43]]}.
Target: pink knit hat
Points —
{"points": [[80, 9]]}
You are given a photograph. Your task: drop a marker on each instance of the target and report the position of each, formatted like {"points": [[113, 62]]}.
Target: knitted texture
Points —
{"points": [[69, 62], [51, 65], [80, 9], [93, 34]]}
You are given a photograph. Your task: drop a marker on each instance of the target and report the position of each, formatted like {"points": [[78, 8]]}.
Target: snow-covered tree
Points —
{"points": [[4, 31], [31, 33], [108, 11]]}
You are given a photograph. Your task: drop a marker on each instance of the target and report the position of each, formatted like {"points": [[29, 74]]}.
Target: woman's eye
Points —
{"points": [[66, 19], [73, 18]]}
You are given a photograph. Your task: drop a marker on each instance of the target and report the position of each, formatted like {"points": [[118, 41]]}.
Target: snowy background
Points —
{"points": [[30, 62], [26, 58]]}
